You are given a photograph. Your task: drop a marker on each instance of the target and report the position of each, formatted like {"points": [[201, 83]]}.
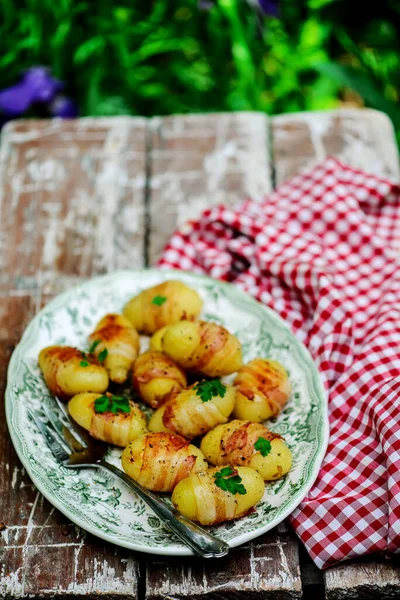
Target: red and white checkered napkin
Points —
{"points": [[322, 251]]}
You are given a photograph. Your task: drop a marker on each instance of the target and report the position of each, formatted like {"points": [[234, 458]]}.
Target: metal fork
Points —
{"points": [[72, 446]]}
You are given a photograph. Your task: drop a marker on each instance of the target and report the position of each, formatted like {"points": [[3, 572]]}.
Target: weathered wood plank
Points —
{"points": [[364, 139], [198, 161], [73, 195], [268, 565], [71, 206], [363, 580]]}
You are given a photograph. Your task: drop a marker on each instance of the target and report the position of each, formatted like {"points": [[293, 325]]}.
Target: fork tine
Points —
{"points": [[55, 423], [56, 449], [70, 425]]}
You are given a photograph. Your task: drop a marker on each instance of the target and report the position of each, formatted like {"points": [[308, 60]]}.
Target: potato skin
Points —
{"points": [[202, 347], [118, 429], [156, 377], [65, 376], [186, 414], [182, 302], [156, 339], [233, 444], [200, 499], [263, 388], [115, 334], [158, 461]]}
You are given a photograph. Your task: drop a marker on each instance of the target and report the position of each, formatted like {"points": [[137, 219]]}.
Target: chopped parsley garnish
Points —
{"points": [[206, 390], [103, 355], [263, 446], [115, 404], [94, 346], [230, 481], [84, 363], [159, 300]]}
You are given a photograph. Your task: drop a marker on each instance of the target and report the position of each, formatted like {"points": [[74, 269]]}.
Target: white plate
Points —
{"points": [[97, 501]]}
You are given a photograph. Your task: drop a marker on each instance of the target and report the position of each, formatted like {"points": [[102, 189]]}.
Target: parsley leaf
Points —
{"points": [[115, 404], [206, 390], [94, 346], [230, 481], [84, 363], [263, 446], [103, 355], [159, 300]]}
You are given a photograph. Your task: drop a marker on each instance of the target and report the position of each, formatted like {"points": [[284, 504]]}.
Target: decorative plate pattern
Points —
{"points": [[100, 503]]}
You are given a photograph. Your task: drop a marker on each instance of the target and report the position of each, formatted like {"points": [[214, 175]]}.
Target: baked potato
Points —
{"points": [[196, 410], [108, 418], [116, 343], [156, 377], [218, 495], [158, 461], [249, 445], [68, 371], [156, 339], [202, 347], [163, 304], [263, 388]]}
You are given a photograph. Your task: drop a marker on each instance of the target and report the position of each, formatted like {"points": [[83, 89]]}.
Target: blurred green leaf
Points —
{"points": [[362, 84]]}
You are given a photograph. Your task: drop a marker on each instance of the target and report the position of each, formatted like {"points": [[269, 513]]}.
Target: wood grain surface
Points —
{"points": [[80, 198]]}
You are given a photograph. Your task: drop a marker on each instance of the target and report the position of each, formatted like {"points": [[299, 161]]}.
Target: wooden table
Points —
{"points": [[85, 197]]}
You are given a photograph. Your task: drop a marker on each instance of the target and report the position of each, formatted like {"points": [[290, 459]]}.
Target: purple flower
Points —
{"points": [[37, 85], [270, 7], [63, 107]]}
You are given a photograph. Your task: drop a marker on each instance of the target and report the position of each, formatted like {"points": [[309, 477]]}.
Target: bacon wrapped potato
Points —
{"points": [[163, 304], [156, 339], [108, 418], [196, 410], [202, 347], [68, 371], [249, 445], [263, 388], [117, 341], [218, 495], [156, 377], [158, 461]]}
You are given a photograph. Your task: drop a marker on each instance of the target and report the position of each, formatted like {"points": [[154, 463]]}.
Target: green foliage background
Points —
{"points": [[152, 57]]}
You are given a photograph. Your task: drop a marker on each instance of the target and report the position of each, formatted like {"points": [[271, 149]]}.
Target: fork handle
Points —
{"points": [[198, 539]]}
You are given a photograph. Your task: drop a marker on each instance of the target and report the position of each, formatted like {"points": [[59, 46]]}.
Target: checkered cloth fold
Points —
{"points": [[322, 251]]}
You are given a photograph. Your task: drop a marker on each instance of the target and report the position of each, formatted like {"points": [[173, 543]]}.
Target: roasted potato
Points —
{"points": [[202, 347], [156, 377], [68, 371], [156, 339], [248, 444], [163, 304], [199, 498], [113, 426], [158, 461], [196, 410], [115, 338], [263, 388]]}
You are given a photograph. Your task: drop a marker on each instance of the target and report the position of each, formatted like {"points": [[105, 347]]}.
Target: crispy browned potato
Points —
{"points": [[68, 371], [203, 347], [156, 377], [200, 499], [115, 427], [248, 444], [158, 461], [187, 414], [115, 337], [263, 388], [163, 304]]}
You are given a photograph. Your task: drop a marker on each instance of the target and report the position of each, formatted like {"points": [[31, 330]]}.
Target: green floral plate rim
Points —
{"points": [[97, 501]]}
